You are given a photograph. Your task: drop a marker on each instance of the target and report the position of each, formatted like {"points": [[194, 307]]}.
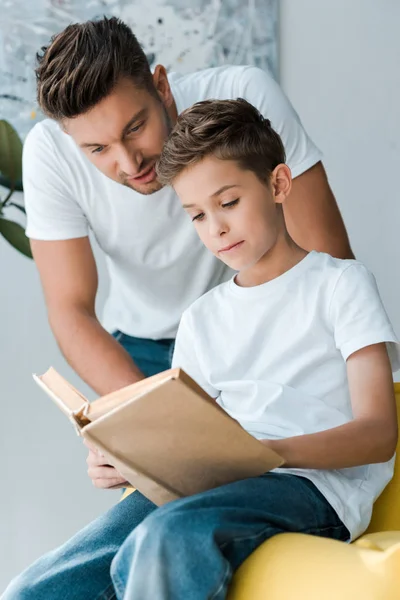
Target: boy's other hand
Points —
{"points": [[103, 475], [276, 447]]}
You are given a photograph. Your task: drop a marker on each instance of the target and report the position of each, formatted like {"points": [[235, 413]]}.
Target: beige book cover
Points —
{"points": [[164, 434]]}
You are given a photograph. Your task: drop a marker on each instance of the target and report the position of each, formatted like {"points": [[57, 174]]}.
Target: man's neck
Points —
{"points": [[173, 112]]}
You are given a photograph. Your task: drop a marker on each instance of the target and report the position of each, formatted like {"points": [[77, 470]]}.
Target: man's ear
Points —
{"points": [[281, 183], [161, 83]]}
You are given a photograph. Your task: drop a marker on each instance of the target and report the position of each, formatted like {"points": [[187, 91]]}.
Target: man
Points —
{"points": [[228, 167], [108, 119]]}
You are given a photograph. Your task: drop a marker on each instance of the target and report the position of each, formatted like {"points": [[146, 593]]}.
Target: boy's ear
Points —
{"points": [[281, 183], [63, 127]]}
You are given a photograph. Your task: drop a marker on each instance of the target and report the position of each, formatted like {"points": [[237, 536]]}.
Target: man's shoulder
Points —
{"points": [[227, 81], [49, 151], [47, 136], [47, 129], [211, 73]]}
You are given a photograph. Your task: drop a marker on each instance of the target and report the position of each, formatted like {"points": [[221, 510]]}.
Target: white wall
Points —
{"points": [[340, 67], [45, 494]]}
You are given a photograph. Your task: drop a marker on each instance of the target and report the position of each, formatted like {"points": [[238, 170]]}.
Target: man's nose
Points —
{"points": [[128, 161]]}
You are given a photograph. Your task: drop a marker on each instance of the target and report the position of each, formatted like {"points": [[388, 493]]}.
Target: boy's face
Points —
{"points": [[123, 135], [235, 214]]}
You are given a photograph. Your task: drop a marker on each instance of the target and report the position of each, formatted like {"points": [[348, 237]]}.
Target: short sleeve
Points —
{"points": [[185, 356], [260, 89], [358, 316], [52, 211]]}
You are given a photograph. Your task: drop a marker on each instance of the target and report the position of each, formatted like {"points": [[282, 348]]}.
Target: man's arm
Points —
{"points": [[312, 216], [371, 436], [69, 278]]}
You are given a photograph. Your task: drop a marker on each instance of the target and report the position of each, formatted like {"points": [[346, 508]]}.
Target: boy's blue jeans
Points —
{"points": [[184, 550]]}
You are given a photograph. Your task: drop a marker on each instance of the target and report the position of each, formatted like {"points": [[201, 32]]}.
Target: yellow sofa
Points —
{"points": [[293, 566]]}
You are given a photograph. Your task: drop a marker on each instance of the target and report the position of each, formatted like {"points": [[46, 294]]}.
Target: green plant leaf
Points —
{"points": [[10, 154], [21, 208], [15, 235]]}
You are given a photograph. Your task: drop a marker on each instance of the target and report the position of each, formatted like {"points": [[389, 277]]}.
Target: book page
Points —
{"points": [[71, 402], [105, 404]]}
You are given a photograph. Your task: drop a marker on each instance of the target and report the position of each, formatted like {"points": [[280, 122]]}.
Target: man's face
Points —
{"points": [[234, 213], [123, 135]]}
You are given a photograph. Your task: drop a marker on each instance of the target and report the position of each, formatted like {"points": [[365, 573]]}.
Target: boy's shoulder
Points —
{"points": [[329, 278], [208, 301], [331, 269], [321, 276], [335, 266]]}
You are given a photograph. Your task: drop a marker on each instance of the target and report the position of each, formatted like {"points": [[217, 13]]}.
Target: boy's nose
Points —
{"points": [[217, 228]]}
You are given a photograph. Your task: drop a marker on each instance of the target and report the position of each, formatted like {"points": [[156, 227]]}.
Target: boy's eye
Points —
{"points": [[232, 203], [98, 150], [198, 217]]}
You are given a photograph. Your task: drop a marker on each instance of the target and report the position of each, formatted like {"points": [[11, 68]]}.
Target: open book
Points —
{"points": [[164, 434]]}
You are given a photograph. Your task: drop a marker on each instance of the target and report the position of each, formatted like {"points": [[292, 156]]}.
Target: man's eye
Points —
{"points": [[198, 217], [233, 203], [135, 129], [98, 150]]}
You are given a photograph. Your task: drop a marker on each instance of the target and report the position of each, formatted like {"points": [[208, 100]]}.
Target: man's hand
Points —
{"points": [[103, 476]]}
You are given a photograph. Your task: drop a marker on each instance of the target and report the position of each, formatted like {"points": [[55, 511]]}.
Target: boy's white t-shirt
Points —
{"points": [[157, 264], [274, 356]]}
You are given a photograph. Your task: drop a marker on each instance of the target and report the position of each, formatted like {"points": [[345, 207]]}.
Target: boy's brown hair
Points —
{"points": [[83, 63], [228, 129]]}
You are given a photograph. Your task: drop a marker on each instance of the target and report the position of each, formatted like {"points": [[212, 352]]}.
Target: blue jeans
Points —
{"points": [[151, 356], [185, 550]]}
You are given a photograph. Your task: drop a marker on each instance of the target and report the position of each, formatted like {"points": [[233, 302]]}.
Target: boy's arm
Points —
{"points": [[370, 437]]}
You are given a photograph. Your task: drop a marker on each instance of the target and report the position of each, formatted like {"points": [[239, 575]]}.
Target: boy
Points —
{"points": [[293, 347]]}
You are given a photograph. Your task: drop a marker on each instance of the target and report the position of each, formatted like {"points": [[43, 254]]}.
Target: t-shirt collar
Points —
{"points": [[279, 283]]}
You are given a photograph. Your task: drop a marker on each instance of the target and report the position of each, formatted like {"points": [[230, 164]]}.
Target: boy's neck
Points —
{"points": [[282, 257]]}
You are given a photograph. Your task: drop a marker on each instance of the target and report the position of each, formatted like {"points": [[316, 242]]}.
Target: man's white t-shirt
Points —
{"points": [[157, 264], [274, 356]]}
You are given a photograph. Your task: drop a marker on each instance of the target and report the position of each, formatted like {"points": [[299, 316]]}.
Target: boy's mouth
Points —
{"points": [[231, 247]]}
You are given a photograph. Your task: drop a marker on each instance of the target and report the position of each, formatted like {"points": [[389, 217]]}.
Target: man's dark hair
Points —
{"points": [[83, 63], [228, 129]]}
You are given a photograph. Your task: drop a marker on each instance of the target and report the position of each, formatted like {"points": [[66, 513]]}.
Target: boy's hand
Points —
{"points": [[103, 476], [276, 447]]}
